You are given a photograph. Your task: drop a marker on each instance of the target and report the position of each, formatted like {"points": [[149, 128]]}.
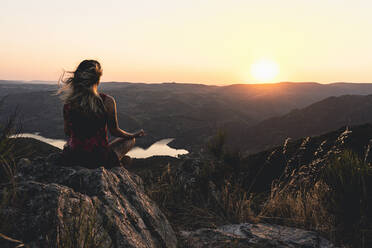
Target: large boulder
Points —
{"points": [[79, 207]]}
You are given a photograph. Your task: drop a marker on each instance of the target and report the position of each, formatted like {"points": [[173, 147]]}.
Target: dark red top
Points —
{"points": [[87, 144]]}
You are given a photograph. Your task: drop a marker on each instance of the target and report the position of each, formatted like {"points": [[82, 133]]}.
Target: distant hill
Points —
{"points": [[318, 118], [269, 100], [190, 113], [13, 87]]}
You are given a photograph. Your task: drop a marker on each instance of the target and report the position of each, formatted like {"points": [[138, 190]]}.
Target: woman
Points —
{"points": [[87, 116]]}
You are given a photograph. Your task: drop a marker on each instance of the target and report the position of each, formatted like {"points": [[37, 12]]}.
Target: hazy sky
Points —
{"points": [[204, 41]]}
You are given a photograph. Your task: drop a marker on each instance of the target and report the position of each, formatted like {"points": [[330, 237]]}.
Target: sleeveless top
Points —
{"points": [[87, 144]]}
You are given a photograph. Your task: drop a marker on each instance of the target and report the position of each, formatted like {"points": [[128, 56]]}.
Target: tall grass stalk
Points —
{"points": [[81, 227], [8, 169], [338, 205]]}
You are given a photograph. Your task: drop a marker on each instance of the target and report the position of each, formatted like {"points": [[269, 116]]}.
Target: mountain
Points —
{"points": [[285, 96], [12, 87], [190, 113], [318, 118]]}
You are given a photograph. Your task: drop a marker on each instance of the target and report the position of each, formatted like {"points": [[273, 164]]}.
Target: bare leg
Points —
{"points": [[121, 146]]}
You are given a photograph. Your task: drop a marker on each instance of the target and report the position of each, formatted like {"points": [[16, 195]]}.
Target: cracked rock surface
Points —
{"points": [[106, 207]]}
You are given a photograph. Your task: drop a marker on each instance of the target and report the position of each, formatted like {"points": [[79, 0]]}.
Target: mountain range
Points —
{"points": [[255, 116], [318, 118]]}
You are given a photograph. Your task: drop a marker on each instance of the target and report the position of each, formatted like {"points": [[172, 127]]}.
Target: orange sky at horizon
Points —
{"points": [[195, 41]]}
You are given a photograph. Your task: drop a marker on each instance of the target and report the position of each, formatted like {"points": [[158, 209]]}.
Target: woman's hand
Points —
{"points": [[139, 134]]}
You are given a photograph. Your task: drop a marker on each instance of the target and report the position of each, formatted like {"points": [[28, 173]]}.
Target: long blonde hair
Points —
{"points": [[78, 88]]}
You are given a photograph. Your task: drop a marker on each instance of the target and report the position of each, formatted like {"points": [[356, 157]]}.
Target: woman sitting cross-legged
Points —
{"points": [[87, 117]]}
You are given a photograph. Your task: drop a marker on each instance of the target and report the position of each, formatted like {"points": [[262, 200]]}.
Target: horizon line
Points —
{"points": [[174, 82]]}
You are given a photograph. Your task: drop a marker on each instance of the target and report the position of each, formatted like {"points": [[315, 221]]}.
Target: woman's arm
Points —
{"points": [[113, 124], [67, 129]]}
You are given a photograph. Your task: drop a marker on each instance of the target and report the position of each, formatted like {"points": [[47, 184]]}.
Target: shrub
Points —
{"points": [[216, 145], [349, 198]]}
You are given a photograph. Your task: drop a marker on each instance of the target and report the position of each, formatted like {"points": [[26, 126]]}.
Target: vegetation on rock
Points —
{"points": [[320, 183]]}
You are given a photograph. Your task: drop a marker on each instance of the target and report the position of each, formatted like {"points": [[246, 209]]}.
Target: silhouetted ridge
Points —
{"points": [[190, 113], [318, 118], [301, 160]]}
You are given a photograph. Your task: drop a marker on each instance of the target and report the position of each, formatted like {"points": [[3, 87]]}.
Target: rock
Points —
{"points": [[254, 235], [101, 207]]}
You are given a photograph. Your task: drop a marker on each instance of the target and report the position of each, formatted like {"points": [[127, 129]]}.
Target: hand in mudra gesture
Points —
{"points": [[139, 134]]}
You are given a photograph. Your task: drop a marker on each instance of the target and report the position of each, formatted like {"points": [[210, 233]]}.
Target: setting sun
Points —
{"points": [[264, 70]]}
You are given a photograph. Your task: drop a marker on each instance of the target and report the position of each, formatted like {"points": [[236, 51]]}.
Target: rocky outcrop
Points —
{"points": [[99, 207], [254, 235]]}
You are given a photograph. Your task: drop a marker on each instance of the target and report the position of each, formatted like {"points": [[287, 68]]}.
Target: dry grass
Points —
{"points": [[301, 208], [238, 204], [81, 227], [205, 195], [338, 205], [199, 201], [8, 171]]}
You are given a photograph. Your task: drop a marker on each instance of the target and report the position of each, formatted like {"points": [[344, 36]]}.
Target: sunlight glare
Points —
{"points": [[264, 70]]}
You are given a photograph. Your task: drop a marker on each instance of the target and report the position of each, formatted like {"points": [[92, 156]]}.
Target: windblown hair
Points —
{"points": [[78, 88]]}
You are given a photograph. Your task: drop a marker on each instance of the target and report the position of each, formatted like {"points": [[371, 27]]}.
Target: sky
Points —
{"points": [[190, 41]]}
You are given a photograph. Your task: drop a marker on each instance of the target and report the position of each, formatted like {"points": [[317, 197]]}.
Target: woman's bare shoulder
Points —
{"points": [[109, 102], [109, 97]]}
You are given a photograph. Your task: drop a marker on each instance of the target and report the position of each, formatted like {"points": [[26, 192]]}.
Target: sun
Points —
{"points": [[264, 70]]}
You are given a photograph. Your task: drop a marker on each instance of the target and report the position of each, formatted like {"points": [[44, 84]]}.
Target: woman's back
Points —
{"points": [[87, 117], [83, 124], [88, 142]]}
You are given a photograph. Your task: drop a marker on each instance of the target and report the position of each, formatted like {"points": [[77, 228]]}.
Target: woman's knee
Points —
{"points": [[131, 143]]}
